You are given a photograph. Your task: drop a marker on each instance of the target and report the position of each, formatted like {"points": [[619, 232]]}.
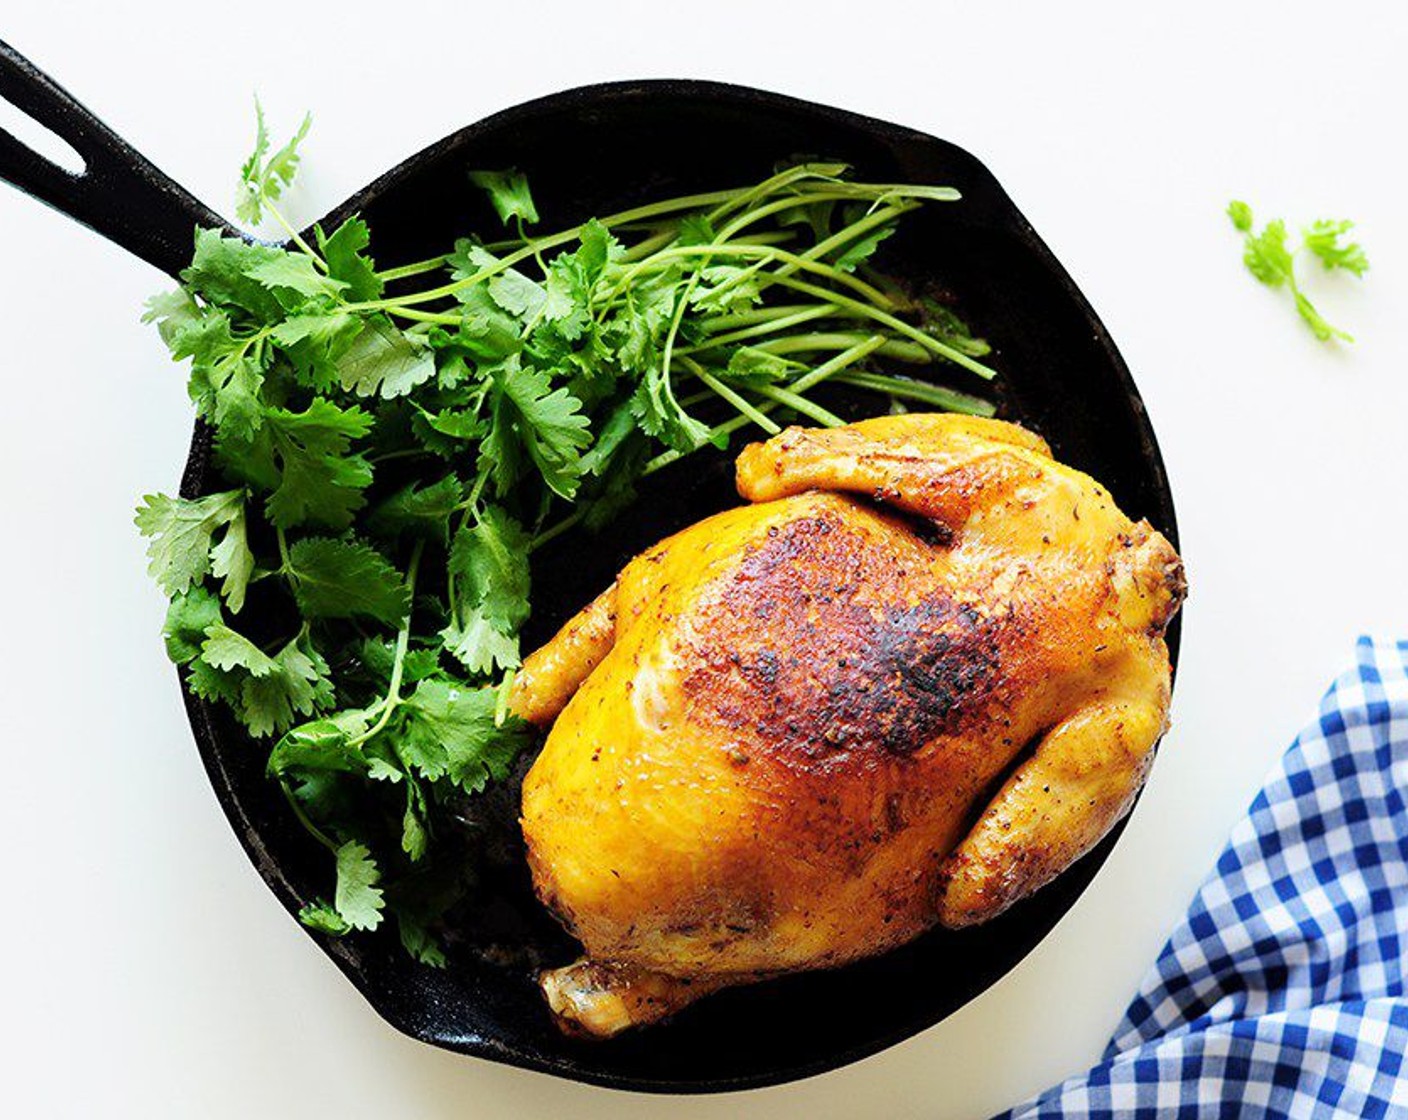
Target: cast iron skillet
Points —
{"points": [[600, 149]]}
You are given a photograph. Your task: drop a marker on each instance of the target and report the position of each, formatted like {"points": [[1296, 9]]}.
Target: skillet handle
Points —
{"points": [[119, 193]]}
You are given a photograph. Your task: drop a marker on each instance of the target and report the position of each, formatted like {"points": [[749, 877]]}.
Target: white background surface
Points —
{"points": [[144, 968]]}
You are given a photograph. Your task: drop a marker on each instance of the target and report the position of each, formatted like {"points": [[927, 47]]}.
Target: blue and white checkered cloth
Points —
{"points": [[1281, 993]]}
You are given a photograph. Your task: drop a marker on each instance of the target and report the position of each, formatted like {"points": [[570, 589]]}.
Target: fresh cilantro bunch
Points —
{"points": [[353, 591], [1269, 258]]}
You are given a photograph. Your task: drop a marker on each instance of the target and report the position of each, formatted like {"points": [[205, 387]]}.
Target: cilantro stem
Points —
{"points": [[790, 396], [841, 361], [852, 233], [556, 530], [286, 564], [313, 830], [800, 404], [659, 241], [764, 252], [816, 311], [801, 385], [553, 241], [754, 315], [884, 192], [392, 700], [849, 234], [681, 302], [906, 389], [293, 234], [504, 693], [792, 176], [840, 340], [957, 357], [439, 317], [744, 407], [724, 201], [416, 268]]}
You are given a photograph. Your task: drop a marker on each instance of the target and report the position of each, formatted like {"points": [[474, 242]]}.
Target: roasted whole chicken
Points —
{"points": [[914, 680]]}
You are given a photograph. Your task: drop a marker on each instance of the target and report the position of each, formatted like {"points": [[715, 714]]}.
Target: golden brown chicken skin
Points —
{"points": [[912, 682]]}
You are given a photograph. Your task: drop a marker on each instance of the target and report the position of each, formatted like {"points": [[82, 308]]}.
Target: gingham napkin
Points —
{"points": [[1281, 993]]}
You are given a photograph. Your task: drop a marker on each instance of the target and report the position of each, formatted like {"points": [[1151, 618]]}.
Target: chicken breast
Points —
{"points": [[914, 680]]}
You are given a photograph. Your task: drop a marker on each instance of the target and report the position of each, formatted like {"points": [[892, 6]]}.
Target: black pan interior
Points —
{"points": [[602, 149]]}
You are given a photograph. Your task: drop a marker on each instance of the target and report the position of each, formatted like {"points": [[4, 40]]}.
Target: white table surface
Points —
{"points": [[146, 971]]}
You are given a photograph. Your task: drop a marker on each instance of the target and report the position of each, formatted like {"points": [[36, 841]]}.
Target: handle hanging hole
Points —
{"points": [[40, 140]]}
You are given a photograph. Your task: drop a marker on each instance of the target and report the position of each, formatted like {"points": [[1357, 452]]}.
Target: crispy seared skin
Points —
{"points": [[912, 682]]}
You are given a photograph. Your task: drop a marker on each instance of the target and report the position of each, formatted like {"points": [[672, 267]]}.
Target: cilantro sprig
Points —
{"points": [[391, 455], [1270, 258]]}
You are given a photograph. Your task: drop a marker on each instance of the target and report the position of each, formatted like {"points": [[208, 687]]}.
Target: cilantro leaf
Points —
{"points": [[942, 323], [727, 288], [296, 684], [863, 248], [304, 458], [320, 326], [1323, 239], [416, 940], [174, 313], [568, 294], [181, 532], [750, 367], [660, 415], [448, 730], [1269, 258], [695, 229], [490, 561], [489, 566], [486, 330], [220, 269], [547, 423], [283, 164], [223, 648], [479, 645], [379, 770], [358, 901], [188, 618], [414, 837], [423, 511], [226, 392], [599, 248], [324, 744], [210, 683], [378, 657], [508, 191], [263, 180], [384, 361], [518, 295], [323, 918], [232, 562], [347, 261], [249, 203], [226, 377], [346, 579], [635, 331], [295, 272], [1266, 255]]}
